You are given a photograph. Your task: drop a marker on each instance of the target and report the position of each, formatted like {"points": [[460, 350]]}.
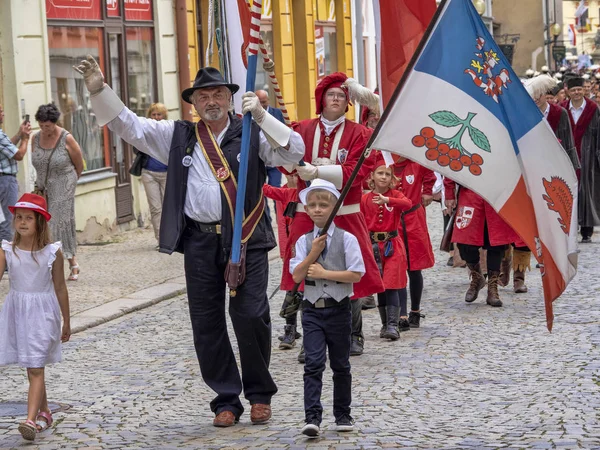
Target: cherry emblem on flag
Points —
{"points": [[450, 151]]}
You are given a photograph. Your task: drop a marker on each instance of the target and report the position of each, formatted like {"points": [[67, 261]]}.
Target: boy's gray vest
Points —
{"points": [[335, 259], [172, 224]]}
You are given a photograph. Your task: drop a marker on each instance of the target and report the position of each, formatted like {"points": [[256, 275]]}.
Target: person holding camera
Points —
{"points": [[12, 150]]}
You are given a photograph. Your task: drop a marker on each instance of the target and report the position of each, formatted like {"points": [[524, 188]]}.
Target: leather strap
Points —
{"points": [[223, 174]]}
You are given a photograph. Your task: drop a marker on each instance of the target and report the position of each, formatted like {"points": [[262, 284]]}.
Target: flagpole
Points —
{"points": [[236, 245]]}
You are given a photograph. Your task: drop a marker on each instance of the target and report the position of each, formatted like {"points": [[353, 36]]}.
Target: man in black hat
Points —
{"points": [[585, 122], [198, 211]]}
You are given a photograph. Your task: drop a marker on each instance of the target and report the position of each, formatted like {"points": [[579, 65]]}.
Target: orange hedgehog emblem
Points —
{"points": [[559, 199]]}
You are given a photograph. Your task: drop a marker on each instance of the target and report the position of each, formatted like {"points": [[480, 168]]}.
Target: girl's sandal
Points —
{"points": [[44, 421], [74, 276], [28, 430]]}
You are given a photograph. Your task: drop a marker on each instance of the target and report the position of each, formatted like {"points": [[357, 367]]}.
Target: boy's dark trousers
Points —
{"points": [[327, 329]]}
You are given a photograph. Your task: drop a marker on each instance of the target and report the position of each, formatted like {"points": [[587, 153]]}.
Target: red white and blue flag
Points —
{"points": [[460, 110]]}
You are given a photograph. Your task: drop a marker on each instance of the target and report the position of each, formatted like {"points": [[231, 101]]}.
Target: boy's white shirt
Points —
{"points": [[2, 217]]}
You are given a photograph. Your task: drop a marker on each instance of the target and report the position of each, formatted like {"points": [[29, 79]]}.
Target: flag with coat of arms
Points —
{"points": [[460, 110]]}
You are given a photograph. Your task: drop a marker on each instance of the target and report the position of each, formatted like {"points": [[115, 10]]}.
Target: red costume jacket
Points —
{"points": [[282, 196], [416, 180], [387, 218], [473, 212], [350, 145]]}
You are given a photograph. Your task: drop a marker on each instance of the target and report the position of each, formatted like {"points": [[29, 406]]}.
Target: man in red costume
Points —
{"points": [[333, 147], [478, 225]]}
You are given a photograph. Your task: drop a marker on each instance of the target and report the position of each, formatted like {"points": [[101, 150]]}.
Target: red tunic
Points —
{"points": [[387, 218], [351, 145], [416, 181], [473, 212], [282, 196]]}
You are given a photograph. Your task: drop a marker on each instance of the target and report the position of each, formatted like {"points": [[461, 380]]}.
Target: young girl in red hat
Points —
{"points": [[30, 325], [382, 208]]}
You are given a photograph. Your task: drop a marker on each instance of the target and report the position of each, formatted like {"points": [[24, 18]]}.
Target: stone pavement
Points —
{"points": [[471, 377]]}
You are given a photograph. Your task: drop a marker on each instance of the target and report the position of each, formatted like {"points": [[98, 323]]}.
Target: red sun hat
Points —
{"points": [[34, 203], [335, 80]]}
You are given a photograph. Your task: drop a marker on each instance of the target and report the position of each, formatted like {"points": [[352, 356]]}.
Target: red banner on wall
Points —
{"points": [[73, 9], [113, 8], [138, 10]]}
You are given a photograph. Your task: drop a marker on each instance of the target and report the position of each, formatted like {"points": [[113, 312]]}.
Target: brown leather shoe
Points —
{"points": [[260, 413], [225, 419]]}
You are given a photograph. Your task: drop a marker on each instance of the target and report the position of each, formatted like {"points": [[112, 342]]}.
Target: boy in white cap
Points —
{"points": [[329, 265]]}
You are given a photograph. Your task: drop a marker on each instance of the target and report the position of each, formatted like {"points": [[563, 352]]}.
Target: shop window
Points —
{"points": [[67, 47], [326, 50], [140, 69]]}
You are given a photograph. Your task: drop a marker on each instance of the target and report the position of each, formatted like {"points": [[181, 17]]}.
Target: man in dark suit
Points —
{"points": [[273, 174]]}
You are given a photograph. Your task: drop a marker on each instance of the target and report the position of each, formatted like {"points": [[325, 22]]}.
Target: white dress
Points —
{"points": [[30, 324]]}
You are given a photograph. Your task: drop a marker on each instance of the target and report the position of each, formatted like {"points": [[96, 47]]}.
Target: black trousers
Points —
{"points": [[495, 253], [327, 329], [205, 264]]}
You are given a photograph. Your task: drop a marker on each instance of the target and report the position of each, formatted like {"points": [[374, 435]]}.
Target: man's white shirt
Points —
{"points": [[203, 197]]}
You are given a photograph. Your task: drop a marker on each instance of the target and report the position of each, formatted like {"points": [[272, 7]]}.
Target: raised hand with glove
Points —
{"points": [[92, 75], [105, 102], [277, 132]]}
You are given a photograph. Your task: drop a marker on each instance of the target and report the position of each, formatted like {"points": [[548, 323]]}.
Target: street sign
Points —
{"points": [[559, 52]]}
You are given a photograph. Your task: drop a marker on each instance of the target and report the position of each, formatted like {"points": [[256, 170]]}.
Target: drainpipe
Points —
{"points": [[183, 57]]}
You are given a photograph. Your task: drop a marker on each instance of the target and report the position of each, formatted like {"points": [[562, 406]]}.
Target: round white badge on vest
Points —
{"points": [[239, 156], [187, 161]]}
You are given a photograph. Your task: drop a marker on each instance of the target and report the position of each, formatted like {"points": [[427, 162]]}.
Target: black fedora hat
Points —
{"points": [[209, 77]]}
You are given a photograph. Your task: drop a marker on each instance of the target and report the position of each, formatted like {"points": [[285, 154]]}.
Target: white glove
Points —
{"points": [[360, 94], [251, 104], [307, 172], [92, 75]]}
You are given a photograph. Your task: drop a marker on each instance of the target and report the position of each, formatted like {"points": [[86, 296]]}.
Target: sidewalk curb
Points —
{"points": [[118, 308], [135, 301]]}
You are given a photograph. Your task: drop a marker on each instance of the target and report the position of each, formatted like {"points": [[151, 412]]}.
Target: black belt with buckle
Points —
{"points": [[214, 227], [382, 236], [7, 174], [326, 303]]}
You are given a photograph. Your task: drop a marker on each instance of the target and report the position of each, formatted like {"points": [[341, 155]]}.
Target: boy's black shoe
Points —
{"points": [[403, 325], [289, 338], [301, 358], [586, 240], [357, 346], [344, 423], [311, 429], [414, 319]]}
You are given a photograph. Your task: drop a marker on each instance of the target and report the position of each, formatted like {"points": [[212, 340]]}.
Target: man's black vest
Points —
{"points": [[172, 224]]}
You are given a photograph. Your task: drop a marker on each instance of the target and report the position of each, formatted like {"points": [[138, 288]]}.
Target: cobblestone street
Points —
{"points": [[471, 377]]}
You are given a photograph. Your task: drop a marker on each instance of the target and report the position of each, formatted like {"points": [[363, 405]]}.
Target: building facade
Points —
{"points": [[306, 39], [134, 44]]}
